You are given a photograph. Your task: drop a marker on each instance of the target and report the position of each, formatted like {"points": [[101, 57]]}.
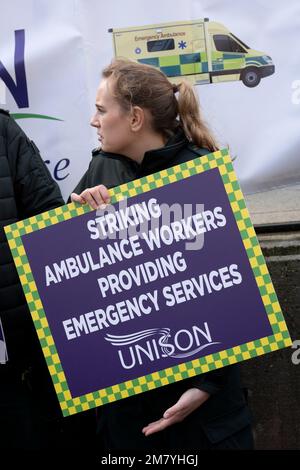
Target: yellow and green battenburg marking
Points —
{"points": [[279, 339], [179, 64]]}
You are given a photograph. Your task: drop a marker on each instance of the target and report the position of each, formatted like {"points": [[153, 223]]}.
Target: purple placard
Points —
{"points": [[105, 348]]}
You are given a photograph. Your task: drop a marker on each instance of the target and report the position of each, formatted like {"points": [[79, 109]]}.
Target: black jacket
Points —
{"points": [[26, 189], [225, 413], [112, 170], [108, 169]]}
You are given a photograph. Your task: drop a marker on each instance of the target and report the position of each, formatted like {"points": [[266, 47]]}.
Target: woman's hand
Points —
{"points": [[187, 403], [97, 197]]}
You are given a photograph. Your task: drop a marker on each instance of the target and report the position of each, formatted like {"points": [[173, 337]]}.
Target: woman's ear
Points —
{"points": [[137, 118]]}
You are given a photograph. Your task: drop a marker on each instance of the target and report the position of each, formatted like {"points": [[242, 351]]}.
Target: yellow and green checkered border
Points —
{"points": [[279, 339]]}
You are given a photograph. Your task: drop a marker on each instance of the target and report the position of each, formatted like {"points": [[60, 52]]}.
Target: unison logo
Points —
{"points": [[159, 343], [18, 87]]}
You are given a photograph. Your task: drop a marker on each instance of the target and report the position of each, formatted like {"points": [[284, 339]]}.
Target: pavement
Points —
{"points": [[276, 206]]}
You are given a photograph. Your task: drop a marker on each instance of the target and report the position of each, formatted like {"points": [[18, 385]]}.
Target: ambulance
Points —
{"points": [[201, 51]]}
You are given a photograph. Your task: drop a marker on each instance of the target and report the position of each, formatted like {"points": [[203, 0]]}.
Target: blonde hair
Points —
{"points": [[141, 85]]}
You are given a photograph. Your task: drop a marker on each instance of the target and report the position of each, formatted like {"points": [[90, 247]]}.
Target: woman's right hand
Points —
{"points": [[97, 197]]}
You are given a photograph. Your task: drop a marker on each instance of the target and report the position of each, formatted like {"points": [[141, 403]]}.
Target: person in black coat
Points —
{"points": [[147, 124], [30, 417]]}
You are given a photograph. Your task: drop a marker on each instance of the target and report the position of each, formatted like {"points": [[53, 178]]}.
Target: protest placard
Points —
{"points": [[167, 282]]}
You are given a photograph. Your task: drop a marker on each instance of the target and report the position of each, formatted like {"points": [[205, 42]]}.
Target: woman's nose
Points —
{"points": [[94, 122]]}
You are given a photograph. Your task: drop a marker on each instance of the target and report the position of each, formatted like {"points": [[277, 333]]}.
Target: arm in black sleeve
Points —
{"points": [[109, 170], [82, 185], [35, 189], [213, 381]]}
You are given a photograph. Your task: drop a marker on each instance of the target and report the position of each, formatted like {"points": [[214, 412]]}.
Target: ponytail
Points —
{"points": [[190, 117]]}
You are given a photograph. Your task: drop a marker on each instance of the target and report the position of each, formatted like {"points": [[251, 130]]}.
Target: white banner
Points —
{"points": [[52, 53]]}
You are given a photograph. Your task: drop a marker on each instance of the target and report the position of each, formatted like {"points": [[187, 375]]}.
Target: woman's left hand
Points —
{"points": [[187, 403]]}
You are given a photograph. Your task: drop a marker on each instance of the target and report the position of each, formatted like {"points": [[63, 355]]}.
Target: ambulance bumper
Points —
{"points": [[267, 70]]}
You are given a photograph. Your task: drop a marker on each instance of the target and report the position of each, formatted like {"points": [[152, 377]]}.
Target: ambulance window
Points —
{"points": [[161, 45], [225, 43], [240, 41]]}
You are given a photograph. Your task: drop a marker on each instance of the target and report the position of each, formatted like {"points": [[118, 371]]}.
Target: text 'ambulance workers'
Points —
{"points": [[145, 125]]}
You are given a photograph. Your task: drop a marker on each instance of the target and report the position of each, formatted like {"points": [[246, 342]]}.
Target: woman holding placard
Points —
{"points": [[145, 125]]}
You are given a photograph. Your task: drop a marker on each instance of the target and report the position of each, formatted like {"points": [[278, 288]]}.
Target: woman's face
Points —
{"points": [[111, 121]]}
